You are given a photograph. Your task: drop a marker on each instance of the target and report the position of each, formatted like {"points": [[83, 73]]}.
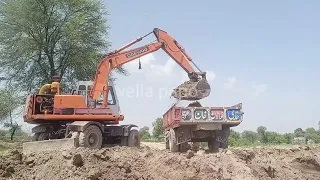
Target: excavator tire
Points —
{"points": [[43, 136], [91, 137], [133, 138], [35, 137]]}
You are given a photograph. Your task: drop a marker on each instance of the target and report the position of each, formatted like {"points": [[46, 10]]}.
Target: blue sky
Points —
{"points": [[263, 54]]}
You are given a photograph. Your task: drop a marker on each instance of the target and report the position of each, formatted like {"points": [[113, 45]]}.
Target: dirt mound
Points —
{"points": [[146, 163]]}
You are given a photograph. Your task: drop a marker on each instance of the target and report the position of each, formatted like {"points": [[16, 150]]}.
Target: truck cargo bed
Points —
{"points": [[178, 115]]}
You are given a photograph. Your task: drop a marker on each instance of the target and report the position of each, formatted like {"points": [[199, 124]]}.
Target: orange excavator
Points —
{"points": [[89, 116]]}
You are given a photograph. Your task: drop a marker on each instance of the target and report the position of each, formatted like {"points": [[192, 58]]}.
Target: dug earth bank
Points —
{"points": [[150, 162]]}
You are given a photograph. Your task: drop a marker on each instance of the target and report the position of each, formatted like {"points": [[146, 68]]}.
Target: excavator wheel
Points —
{"points": [[35, 137], [133, 138], [43, 136], [91, 137]]}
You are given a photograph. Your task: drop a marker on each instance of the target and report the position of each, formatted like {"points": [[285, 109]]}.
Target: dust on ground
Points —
{"points": [[152, 162]]}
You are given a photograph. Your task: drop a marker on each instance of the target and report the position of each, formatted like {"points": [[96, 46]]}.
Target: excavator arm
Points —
{"points": [[171, 47]]}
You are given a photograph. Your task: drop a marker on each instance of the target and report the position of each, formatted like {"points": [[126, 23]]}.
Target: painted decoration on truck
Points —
{"points": [[200, 114], [177, 113], [217, 114], [186, 114], [233, 114]]}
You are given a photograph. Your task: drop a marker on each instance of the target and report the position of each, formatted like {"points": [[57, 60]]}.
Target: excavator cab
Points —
{"points": [[84, 87]]}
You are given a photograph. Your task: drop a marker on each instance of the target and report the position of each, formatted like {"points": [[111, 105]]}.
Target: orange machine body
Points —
{"points": [[73, 107]]}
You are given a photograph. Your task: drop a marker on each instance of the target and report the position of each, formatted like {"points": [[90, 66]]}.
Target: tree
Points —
{"points": [[288, 138], [262, 132], [298, 132], [157, 128], [311, 133], [9, 102], [250, 136], [234, 138], [144, 133], [42, 38]]}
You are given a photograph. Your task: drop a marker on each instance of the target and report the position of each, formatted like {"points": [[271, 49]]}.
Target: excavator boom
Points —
{"points": [[194, 89], [79, 119]]}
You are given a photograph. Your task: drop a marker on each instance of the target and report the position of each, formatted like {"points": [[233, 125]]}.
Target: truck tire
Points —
{"points": [[166, 139], [183, 147], [91, 137], [195, 146], [213, 145], [134, 138], [225, 132], [173, 142]]}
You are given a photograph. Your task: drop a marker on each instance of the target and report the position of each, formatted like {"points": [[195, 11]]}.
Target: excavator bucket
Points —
{"points": [[192, 90]]}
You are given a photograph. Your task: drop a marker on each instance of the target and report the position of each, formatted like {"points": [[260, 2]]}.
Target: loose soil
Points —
{"points": [[150, 162]]}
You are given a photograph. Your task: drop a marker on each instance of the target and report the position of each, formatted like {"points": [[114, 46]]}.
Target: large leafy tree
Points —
{"points": [[43, 38], [144, 133]]}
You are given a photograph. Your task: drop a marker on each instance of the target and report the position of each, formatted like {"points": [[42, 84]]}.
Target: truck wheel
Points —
{"points": [[195, 146], [173, 142], [183, 147], [213, 145], [166, 139], [133, 138], [224, 137], [91, 137]]}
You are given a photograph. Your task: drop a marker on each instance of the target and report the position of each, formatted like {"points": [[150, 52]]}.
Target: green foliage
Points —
{"points": [[312, 134], [250, 136], [158, 131], [299, 132], [144, 133], [265, 137], [9, 102], [3, 132], [42, 38]]}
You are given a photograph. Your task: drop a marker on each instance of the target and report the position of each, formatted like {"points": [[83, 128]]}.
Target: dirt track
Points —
{"points": [[150, 162]]}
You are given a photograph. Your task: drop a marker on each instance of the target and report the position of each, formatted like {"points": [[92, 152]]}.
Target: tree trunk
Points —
{"points": [[12, 133]]}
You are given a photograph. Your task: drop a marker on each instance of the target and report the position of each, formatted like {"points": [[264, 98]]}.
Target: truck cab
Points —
{"points": [[84, 87]]}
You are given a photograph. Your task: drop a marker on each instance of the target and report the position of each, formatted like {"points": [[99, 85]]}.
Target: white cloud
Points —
{"points": [[211, 76], [259, 89], [230, 84]]}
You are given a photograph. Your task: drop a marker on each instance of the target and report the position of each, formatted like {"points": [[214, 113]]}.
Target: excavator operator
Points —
{"points": [[52, 87]]}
